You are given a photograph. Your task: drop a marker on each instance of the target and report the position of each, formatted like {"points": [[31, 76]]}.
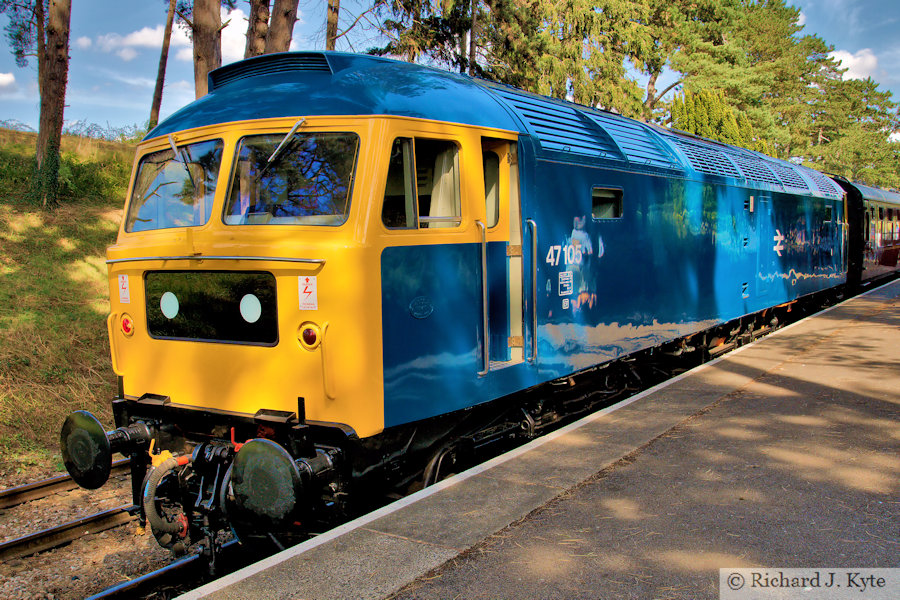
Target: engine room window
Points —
{"points": [[430, 199], [175, 191], [606, 203], [307, 182]]}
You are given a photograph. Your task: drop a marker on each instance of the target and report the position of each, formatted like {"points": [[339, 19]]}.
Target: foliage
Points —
{"points": [[708, 115], [89, 169], [54, 353], [687, 36]]}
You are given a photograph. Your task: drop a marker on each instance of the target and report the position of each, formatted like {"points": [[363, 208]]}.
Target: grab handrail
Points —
{"points": [[311, 261], [534, 263], [484, 301]]}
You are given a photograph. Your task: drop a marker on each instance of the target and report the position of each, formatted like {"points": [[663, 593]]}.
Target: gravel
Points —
{"points": [[86, 566]]}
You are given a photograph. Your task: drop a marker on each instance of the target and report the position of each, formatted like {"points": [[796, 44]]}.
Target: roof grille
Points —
{"points": [[267, 65], [755, 169], [707, 159], [560, 127], [825, 184], [635, 141], [788, 176]]}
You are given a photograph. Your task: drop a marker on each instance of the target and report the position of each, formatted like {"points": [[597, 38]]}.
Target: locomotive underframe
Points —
{"points": [[340, 478]]}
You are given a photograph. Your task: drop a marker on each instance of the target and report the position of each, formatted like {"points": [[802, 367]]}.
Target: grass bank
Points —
{"points": [[54, 353]]}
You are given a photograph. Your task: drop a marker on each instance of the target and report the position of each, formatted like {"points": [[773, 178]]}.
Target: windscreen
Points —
{"points": [[308, 182], [175, 190]]}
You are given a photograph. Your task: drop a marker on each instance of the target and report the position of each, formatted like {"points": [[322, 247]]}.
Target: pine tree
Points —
{"points": [[41, 28]]}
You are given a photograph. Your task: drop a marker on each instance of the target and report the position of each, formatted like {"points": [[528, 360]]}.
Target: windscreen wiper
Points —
{"points": [[280, 148], [183, 160]]}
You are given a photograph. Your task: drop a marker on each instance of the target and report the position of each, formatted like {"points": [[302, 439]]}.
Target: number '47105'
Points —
{"points": [[570, 254]]}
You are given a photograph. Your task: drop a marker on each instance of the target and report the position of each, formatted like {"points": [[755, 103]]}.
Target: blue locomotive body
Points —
{"points": [[641, 236]]}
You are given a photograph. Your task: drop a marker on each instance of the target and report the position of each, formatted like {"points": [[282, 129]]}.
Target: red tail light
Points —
{"points": [[127, 325]]}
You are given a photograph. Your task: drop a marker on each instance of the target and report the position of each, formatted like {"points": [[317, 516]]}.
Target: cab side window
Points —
{"points": [[491, 187], [422, 189]]}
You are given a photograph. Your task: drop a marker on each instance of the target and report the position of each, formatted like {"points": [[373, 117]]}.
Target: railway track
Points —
{"points": [[54, 537], [46, 487], [179, 576]]}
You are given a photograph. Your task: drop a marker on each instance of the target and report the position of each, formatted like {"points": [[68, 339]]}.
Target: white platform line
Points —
{"points": [[332, 534]]}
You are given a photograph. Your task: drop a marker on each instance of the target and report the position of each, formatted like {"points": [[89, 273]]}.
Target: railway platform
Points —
{"points": [[784, 453]]}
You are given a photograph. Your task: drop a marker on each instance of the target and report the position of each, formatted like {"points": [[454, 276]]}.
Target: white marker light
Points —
{"points": [[169, 305], [251, 309]]}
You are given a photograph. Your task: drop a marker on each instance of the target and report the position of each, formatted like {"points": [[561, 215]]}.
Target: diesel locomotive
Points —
{"points": [[337, 271]]}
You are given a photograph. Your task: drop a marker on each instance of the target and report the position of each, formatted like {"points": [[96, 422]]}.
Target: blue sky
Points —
{"points": [[115, 54]]}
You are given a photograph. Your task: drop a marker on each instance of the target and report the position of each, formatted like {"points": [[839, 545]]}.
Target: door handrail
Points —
{"points": [[484, 301], [534, 263]]}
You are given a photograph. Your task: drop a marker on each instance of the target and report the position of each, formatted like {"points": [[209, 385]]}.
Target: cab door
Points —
{"points": [[503, 270]]}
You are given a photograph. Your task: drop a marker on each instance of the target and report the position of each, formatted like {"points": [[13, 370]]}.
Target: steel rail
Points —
{"points": [[133, 587], [60, 535], [183, 573], [47, 487]]}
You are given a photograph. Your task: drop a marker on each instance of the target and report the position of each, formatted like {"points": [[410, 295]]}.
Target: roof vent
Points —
{"points": [[635, 140], [560, 127], [310, 62], [788, 176], [755, 169], [707, 158], [825, 184]]}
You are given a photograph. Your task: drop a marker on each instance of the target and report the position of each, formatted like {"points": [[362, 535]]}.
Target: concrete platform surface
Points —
{"points": [[785, 453]]}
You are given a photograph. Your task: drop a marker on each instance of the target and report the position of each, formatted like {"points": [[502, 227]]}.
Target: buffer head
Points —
{"points": [[85, 450]]}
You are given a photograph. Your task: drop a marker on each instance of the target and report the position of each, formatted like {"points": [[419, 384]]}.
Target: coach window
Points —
{"points": [[422, 189], [606, 203]]}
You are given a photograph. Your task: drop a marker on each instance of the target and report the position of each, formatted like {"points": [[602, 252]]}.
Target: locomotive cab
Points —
{"points": [[246, 327]]}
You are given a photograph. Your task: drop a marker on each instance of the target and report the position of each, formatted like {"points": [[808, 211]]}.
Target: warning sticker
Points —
{"points": [[309, 298], [124, 290], [565, 283]]}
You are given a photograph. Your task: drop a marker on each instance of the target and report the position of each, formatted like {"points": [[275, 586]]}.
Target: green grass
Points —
{"points": [[54, 352]]}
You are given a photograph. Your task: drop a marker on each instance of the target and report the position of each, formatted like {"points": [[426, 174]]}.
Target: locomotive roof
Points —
{"points": [[335, 83]]}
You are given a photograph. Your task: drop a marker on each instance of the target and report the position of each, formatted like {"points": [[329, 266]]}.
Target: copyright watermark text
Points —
{"points": [[813, 583]]}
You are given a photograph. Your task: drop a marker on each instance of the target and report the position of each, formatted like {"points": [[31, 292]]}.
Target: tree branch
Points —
{"points": [[353, 24], [185, 19], [664, 92]]}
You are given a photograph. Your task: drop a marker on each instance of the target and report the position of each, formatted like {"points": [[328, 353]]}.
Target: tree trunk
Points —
{"points": [[257, 28], [472, 38], [650, 100], [281, 26], [161, 72], [207, 30], [53, 75], [331, 26]]}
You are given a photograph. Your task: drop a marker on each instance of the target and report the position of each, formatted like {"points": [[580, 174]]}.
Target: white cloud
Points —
{"points": [[83, 42], [894, 137], [801, 19], [860, 65], [146, 37], [8, 84], [234, 37]]}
